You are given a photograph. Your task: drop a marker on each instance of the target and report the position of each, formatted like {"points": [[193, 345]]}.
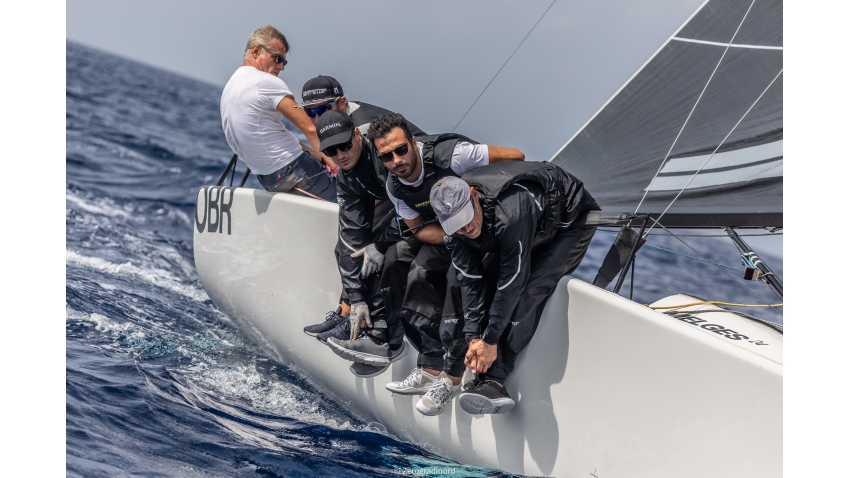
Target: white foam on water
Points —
{"points": [[244, 384], [103, 206], [157, 277]]}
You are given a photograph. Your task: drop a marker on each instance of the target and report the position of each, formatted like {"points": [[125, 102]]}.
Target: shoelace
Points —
{"points": [[440, 392], [413, 377]]}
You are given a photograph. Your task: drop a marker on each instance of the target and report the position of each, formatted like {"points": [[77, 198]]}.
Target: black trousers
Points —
{"points": [[414, 286], [550, 262]]}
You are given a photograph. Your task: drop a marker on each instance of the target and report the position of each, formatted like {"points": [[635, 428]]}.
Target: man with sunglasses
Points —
{"points": [[514, 230], [324, 93], [253, 103], [415, 269], [364, 214]]}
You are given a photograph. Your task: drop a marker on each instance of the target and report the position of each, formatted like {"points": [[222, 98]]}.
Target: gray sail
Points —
{"points": [[626, 146]]}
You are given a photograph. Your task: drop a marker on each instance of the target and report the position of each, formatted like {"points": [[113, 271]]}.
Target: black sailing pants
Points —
{"points": [[549, 263], [414, 286]]}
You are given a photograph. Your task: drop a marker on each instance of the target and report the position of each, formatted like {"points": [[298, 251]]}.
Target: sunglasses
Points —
{"points": [[399, 151], [331, 151], [318, 110], [278, 58]]}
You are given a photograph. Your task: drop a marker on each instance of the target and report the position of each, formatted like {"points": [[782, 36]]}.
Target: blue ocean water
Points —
{"points": [[161, 383]]}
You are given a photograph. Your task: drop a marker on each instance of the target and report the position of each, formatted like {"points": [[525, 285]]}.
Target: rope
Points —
{"points": [[667, 156], [503, 66], [712, 302], [720, 269], [680, 253]]}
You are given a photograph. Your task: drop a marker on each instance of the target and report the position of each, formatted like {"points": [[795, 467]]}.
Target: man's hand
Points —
{"points": [[359, 317], [480, 356], [373, 260]]}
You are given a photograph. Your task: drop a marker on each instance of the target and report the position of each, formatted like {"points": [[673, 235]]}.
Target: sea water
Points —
{"points": [[158, 381]]}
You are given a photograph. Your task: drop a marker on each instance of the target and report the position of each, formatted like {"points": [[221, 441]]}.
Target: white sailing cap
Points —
{"points": [[451, 201]]}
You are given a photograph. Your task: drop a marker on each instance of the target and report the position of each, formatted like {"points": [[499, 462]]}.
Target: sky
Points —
{"points": [[428, 63]]}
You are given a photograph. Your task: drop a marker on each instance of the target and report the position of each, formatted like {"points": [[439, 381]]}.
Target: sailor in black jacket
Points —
{"points": [[514, 230], [416, 268], [364, 214]]}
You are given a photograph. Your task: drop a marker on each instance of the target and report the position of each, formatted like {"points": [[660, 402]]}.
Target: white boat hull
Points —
{"points": [[606, 387]]}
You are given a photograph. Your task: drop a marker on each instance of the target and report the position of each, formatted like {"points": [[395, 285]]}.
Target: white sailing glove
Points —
{"points": [[373, 260], [359, 312]]}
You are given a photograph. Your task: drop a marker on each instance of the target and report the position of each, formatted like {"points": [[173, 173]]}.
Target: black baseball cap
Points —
{"points": [[334, 127], [320, 89]]}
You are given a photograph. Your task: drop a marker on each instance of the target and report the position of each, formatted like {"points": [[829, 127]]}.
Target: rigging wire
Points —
{"points": [[667, 156], [719, 268], [503, 66], [718, 147], [772, 234], [680, 253]]}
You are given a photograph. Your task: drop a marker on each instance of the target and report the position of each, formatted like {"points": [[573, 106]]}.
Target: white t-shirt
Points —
{"points": [[465, 156], [252, 124]]}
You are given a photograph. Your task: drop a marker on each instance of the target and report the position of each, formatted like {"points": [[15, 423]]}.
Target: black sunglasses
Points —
{"points": [[331, 151], [399, 151], [278, 58], [318, 110]]}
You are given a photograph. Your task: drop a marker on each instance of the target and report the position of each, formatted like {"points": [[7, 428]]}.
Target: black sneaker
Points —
{"points": [[488, 397], [332, 319], [476, 381], [363, 349], [363, 370], [342, 331]]}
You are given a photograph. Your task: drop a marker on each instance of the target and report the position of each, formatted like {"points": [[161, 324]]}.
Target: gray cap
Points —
{"points": [[451, 201]]}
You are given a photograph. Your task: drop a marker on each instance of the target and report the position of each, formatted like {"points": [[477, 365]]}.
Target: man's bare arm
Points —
{"points": [[499, 154], [288, 107]]}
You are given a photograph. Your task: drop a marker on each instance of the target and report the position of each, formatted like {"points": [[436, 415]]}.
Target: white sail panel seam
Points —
{"points": [[730, 45], [464, 273], [518, 268]]}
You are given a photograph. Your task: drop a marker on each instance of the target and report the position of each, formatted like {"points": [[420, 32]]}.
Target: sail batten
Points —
{"points": [[619, 151]]}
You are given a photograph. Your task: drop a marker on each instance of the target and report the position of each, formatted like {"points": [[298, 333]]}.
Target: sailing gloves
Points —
{"points": [[373, 261], [359, 312]]}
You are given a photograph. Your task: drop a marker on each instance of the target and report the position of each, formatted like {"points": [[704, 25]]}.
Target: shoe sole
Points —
{"points": [[370, 375], [359, 357], [311, 334], [400, 354], [481, 405], [427, 411]]}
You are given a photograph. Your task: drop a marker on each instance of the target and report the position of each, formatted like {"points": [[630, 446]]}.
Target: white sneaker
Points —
{"points": [[417, 383], [436, 399]]}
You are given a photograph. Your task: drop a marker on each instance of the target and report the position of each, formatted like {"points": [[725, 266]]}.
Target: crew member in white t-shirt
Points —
{"points": [[253, 104]]}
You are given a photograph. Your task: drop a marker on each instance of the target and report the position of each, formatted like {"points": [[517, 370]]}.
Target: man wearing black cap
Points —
{"points": [[324, 93], [415, 271], [360, 185], [514, 230]]}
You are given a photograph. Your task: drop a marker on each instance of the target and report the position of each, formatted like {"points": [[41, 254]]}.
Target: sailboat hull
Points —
{"points": [[606, 387]]}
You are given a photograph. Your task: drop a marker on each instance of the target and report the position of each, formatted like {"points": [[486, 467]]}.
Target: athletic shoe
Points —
{"points": [[437, 397], [342, 332], [368, 371], [332, 319], [417, 383], [476, 381], [362, 370], [487, 397], [363, 349]]}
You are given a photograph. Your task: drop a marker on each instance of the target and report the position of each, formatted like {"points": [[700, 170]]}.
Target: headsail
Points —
{"points": [[720, 77]]}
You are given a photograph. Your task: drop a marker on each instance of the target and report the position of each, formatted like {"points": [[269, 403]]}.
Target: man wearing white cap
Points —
{"points": [[514, 229]]}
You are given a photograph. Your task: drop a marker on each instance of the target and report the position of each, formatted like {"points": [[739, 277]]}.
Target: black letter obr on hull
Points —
{"points": [[210, 212]]}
